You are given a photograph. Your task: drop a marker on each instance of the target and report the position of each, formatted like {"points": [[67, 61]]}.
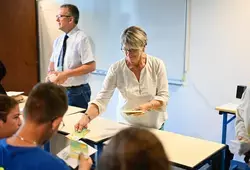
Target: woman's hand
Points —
{"points": [[82, 123]]}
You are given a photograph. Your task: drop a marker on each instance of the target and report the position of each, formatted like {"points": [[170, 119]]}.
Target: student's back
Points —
{"points": [[25, 158]]}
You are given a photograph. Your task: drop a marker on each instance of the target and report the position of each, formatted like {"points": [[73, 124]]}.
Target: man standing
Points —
{"points": [[72, 59]]}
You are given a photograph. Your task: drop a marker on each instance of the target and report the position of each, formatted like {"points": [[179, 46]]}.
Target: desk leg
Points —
{"points": [[47, 146], [224, 128], [99, 150]]}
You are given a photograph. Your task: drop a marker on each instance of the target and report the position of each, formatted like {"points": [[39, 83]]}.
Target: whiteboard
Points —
{"points": [[104, 20]]}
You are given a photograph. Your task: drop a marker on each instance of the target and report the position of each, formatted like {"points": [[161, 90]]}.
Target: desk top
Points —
{"points": [[71, 109], [185, 151], [229, 108], [100, 128]]}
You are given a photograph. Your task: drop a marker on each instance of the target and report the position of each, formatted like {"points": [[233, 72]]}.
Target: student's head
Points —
{"points": [[45, 107], [9, 116], [2, 71], [133, 43], [134, 149], [67, 17]]}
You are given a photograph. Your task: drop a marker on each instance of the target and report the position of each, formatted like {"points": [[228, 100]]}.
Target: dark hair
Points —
{"points": [[73, 11], [2, 70], [46, 102], [134, 149], [6, 104]]}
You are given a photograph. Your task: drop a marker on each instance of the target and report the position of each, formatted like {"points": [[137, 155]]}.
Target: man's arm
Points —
{"points": [[84, 69], [51, 67]]}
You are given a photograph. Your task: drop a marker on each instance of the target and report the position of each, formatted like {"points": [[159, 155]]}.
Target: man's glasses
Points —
{"points": [[61, 16]]}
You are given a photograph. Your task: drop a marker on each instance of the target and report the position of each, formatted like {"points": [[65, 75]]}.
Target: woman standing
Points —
{"points": [[141, 80]]}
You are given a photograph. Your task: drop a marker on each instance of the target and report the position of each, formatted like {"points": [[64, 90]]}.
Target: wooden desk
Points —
{"points": [[224, 110]]}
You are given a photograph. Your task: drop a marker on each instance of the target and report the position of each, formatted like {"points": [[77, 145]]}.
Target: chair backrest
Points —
{"points": [[240, 90]]}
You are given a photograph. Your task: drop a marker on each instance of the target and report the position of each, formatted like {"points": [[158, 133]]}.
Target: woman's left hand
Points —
{"points": [[144, 107]]}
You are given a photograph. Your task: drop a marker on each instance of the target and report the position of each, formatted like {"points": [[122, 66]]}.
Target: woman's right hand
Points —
{"points": [[82, 123]]}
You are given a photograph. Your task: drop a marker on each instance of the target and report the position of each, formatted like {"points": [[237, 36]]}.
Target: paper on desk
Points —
{"points": [[78, 135], [239, 147], [133, 112], [14, 93], [73, 110], [73, 162]]}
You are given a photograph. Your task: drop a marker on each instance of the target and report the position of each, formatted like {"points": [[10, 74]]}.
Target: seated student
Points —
{"points": [[43, 113], [134, 149], [242, 123], [2, 75], [9, 116]]}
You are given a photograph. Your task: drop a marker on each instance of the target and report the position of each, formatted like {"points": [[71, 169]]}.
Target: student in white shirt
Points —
{"points": [[141, 80], [72, 59]]}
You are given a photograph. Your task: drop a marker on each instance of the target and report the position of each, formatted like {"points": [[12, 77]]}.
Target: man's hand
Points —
{"points": [[61, 77]]}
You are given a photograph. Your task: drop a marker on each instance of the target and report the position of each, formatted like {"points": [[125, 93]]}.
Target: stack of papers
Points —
{"points": [[14, 93], [133, 112]]}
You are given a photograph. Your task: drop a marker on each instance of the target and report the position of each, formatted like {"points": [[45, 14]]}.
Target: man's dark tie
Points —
{"points": [[63, 51]]}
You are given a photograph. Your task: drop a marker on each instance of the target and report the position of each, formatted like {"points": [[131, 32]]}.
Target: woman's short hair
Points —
{"points": [[134, 149], [6, 104], [134, 38]]}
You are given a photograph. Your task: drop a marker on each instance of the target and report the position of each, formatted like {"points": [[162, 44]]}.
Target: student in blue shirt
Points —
{"points": [[43, 113]]}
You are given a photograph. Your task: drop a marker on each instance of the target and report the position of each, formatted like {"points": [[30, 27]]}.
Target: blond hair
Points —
{"points": [[134, 38]]}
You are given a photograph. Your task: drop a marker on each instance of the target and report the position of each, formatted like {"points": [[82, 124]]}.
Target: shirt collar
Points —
{"points": [[73, 31]]}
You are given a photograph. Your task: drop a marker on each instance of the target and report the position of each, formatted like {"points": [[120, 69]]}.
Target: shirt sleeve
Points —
{"points": [[85, 51], [242, 124], [107, 90], [162, 84]]}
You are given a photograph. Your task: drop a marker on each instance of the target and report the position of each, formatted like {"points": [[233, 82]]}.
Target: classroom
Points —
{"points": [[202, 43]]}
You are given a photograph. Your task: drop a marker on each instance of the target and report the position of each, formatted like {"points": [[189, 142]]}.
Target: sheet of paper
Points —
{"points": [[14, 93], [73, 162], [78, 135], [131, 112]]}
